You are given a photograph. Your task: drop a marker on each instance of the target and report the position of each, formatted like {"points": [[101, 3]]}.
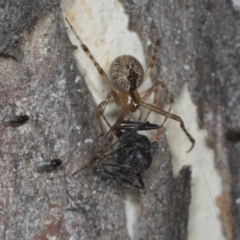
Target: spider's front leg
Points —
{"points": [[172, 116], [154, 89]]}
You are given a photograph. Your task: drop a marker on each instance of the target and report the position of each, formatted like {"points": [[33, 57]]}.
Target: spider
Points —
{"points": [[127, 75], [133, 155]]}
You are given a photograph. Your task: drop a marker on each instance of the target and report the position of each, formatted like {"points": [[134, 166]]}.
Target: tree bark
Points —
{"points": [[204, 37], [39, 75], [46, 84]]}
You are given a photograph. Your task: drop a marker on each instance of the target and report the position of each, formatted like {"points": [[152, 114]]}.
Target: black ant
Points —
{"points": [[15, 121], [233, 135], [45, 166], [133, 155]]}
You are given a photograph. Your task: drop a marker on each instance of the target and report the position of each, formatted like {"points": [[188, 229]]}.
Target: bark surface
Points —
{"points": [[200, 45]]}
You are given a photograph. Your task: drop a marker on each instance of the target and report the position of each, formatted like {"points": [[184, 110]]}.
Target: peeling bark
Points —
{"points": [[199, 46]]}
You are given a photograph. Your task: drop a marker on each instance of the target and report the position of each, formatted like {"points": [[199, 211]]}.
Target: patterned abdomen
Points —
{"points": [[127, 73]]}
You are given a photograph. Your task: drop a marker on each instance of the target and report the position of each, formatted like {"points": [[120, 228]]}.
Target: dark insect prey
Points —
{"points": [[15, 121], [133, 154], [45, 166], [233, 135]]}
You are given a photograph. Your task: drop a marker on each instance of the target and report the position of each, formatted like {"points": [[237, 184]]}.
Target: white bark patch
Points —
{"points": [[103, 27], [203, 219]]}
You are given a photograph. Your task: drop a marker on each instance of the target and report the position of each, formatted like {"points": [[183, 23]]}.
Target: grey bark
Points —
{"points": [[39, 72], [200, 46], [49, 87]]}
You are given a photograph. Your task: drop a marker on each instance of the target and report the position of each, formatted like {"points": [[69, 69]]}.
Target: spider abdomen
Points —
{"points": [[127, 73]]}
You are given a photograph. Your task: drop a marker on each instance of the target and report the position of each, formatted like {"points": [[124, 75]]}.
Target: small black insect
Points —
{"points": [[45, 166], [15, 121], [233, 135], [133, 154]]}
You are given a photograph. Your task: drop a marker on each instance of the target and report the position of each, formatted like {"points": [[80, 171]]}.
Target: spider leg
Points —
{"points": [[112, 133], [154, 89], [172, 116], [100, 111], [140, 114], [153, 59], [87, 51], [128, 127]]}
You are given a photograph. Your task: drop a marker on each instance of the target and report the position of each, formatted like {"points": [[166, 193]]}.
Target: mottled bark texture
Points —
{"points": [[39, 75], [199, 46]]}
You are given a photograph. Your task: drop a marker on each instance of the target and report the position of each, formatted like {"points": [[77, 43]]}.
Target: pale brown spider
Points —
{"points": [[127, 75]]}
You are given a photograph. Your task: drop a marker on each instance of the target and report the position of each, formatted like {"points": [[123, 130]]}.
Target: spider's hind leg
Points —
{"points": [[100, 114], [172, 116]]}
